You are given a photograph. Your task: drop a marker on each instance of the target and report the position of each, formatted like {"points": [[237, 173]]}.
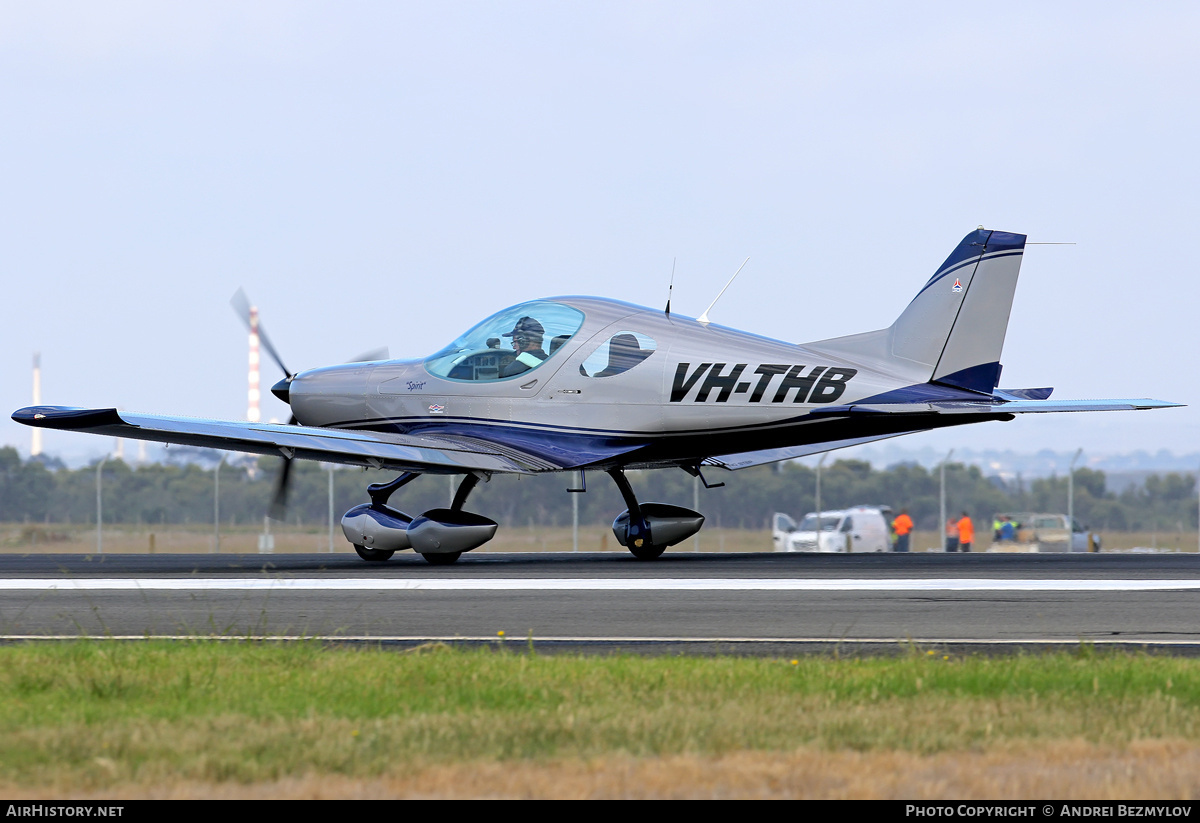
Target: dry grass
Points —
{"points": [[118, 539], [1145, 770]]}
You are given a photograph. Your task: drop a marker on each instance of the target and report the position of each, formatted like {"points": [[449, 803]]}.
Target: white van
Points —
{"points": [[857, 529]]}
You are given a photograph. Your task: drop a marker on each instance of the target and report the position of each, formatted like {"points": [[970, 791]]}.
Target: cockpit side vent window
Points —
{"points": [[618, 354]]}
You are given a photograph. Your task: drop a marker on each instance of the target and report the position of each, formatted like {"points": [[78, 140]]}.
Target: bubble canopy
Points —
{"points": [[486, 351]]}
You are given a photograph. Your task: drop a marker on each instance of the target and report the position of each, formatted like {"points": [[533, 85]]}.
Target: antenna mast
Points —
{"points": [[704, 317], [670, 287]]}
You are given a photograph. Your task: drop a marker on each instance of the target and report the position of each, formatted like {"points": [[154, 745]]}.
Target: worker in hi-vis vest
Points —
{"points": [[903, 527], [966, 533]]}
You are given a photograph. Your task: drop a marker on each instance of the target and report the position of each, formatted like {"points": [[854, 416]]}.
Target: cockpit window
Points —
{"points": [[618, 354], [510, 343]]}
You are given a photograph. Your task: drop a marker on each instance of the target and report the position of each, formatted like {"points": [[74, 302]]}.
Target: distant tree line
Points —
{"points": [[31, 491]]}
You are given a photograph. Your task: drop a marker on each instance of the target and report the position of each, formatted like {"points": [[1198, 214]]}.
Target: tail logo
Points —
{"points": [[957, 287]]}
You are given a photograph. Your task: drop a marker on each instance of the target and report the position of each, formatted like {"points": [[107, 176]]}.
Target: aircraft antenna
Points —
{"points": [[704, 317], [670, 286]]}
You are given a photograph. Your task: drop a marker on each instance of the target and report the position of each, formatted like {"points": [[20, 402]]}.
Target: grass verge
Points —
{"points": [[95, 716]]}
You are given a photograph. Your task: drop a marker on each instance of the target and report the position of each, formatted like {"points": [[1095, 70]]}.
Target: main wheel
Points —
{"points": [[373, 555], [442, 558], [647, 551]]}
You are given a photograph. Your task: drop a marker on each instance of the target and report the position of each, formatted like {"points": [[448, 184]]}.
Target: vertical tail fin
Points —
{"points": [[956, 323], [953, 330]]}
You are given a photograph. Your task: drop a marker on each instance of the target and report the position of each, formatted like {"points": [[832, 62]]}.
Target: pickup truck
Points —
{"points": [[1046, 533]]}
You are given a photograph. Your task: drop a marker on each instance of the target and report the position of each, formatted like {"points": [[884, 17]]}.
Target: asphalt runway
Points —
{"points": [[741, 603]]}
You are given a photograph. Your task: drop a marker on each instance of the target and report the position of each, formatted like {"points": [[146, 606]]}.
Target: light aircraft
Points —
{"points": [[582, 384]]}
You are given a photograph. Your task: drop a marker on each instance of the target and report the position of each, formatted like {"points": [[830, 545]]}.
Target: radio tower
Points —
{"points": [[252, 412], [35, 447]]}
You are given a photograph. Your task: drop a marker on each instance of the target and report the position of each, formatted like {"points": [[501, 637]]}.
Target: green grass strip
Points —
{"points": [[93, 712]]}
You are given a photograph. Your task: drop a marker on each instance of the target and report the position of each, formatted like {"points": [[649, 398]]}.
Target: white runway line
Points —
{"points": [[597, 584]]}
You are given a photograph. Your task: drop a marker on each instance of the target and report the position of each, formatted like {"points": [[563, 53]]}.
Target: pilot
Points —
{"points": [[526, 337]]}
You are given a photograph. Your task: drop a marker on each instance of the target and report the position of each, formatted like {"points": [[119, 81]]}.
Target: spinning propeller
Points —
{"points": [[241, 305]]}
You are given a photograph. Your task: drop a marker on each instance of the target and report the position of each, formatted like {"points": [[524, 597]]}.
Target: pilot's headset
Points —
{"points": [[524, 330]]}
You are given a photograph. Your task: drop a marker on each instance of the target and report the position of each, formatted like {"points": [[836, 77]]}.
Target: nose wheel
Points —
{"points": [[373, 555]]}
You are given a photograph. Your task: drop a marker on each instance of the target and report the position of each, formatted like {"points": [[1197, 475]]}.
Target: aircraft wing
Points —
{"points": [[442, 453]]}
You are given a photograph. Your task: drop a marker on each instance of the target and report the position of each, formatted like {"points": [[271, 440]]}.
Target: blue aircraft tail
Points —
{"points": [[952, 332]]}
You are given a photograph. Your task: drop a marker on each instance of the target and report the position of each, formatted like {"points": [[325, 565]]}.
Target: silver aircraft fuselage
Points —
{"points": [[734, 390]]}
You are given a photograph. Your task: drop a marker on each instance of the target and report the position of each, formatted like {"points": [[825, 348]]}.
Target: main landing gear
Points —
{"points": [[442, 535], [647, 529]]}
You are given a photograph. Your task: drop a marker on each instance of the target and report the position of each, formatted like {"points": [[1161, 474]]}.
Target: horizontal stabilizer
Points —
{"points": [[995, 410], [1033, 406]]}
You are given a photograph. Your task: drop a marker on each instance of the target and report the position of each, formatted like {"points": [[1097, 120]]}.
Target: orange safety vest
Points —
{"points": [[966, 531], [902, 525]]}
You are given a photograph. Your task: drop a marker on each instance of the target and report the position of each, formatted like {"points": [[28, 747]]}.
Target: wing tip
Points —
{"points": [[1147, 403], [66, 417]]}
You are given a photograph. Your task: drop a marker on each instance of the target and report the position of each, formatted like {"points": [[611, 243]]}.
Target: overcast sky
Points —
{"points": [[390, 173]]}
